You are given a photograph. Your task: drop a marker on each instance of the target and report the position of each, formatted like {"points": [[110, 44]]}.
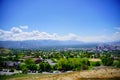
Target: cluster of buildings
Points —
{"points": [[103, 47]]}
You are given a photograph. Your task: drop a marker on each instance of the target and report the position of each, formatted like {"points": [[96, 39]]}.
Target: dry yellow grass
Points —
{"points": [[94, 59], [102, 73]]}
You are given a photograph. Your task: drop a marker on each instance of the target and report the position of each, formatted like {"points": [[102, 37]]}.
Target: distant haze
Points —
{"points": [[37, 44]]}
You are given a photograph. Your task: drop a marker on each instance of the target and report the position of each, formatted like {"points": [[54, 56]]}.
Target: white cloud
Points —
{"points": [[24, 27], [70, 36], [102, 38], [116, 36], [16, 30], [1, 32], [16, 34]]}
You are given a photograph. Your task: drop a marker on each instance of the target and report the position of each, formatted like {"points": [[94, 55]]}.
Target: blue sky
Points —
{"points": [[84, 18]]}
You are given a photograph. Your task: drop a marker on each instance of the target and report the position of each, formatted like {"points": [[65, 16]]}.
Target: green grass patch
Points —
{"points": [[4, 77]]}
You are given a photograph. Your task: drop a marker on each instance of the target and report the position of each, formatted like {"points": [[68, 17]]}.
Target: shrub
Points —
{"points": [[24, 68], [32, 67], [116, 63], [107, 61], [95, 63], [44, 66], [73, 64]]}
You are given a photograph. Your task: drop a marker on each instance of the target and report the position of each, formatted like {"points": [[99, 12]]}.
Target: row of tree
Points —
{"points": [[62, 65]]}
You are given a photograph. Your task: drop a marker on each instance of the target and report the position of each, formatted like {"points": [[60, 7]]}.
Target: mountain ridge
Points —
{"points": [[37, 43]]}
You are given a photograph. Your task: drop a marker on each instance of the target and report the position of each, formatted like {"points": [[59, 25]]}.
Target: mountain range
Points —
{"points": [[29, 44], [37, 44]]}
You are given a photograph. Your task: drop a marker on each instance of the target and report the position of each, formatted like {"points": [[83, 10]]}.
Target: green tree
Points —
{"points": [[29, 61], [41, 66], [47, 67], [107, 61], [73, 64], [32, 67], [117, 63], [1, 63], [24, 68], [44, 66], [92, 63]]}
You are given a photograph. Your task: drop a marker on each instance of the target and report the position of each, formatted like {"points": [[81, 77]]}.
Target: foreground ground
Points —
{"points": [[103, 74]]}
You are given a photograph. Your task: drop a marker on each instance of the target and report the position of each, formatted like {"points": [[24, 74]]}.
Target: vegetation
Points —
{"points": [[97, 63], [102, 74], [107, 61], [37, 61], [117, 63], [73, 64], [44, 67]]}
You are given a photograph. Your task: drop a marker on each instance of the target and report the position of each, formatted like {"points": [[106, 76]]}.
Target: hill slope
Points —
{"points": [[103, 74]]}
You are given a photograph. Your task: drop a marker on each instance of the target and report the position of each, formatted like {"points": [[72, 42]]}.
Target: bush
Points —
{"points": [[73, 64], [29, 61], [95, 63], [116, 63], [32, 67], [107, 61], [24, 70], [44, 66]]}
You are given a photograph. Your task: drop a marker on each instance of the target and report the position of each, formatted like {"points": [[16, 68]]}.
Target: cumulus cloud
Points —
{"points": [[1, 32], [24, 27], [17, 34], [16, 30]]}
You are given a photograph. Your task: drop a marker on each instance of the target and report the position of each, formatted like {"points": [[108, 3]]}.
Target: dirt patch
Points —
{"points": [[94, 59]]}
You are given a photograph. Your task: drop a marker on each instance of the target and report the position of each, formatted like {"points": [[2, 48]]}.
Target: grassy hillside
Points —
{"points": [[103, 74], [4, 50]]}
